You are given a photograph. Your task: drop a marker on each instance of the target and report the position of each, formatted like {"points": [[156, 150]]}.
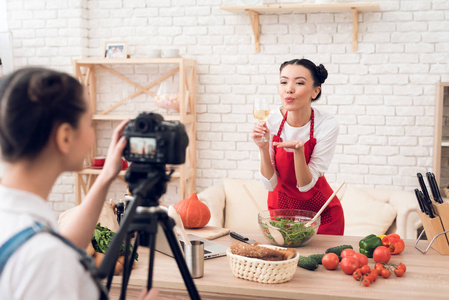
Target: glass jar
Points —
{"points": [[167, 96]]}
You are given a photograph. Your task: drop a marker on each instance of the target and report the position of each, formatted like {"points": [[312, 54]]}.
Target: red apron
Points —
{"points": [[286, 194]]}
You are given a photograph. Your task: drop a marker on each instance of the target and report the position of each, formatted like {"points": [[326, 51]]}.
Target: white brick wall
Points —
{"points": [[383, 94]]}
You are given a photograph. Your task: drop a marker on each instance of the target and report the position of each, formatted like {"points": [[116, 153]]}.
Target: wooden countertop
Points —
{"points": [[427, 277]]}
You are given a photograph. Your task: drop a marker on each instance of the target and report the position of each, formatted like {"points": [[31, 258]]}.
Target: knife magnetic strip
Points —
{"points": [[432, 228], [442, 210]]}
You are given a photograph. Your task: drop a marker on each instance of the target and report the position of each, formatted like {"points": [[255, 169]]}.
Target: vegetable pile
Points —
{"points": [[294, 234], [103, 237], [380, 249]]}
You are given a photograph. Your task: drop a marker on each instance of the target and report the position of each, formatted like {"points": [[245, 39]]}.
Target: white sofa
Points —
{"points": [[366, 211]]}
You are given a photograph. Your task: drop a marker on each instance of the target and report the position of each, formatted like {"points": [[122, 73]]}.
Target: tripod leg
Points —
{"points": [[152, 246], [179, 257], [127, 263]]}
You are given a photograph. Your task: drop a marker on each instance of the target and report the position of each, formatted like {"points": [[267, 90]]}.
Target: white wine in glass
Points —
{"points": [[261, 112]]}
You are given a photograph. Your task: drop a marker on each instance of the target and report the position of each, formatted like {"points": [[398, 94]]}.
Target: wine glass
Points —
{"points": [[261, 112]]}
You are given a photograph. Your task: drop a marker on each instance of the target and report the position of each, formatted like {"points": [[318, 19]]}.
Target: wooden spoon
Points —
{"points": [[277, 236], [308, 224]]}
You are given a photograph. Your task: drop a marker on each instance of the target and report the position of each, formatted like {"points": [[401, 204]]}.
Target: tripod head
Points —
{"points": [[147, 182]]}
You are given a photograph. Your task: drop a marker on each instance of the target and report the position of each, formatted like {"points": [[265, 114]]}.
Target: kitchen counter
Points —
{"points": [[427, 277]]}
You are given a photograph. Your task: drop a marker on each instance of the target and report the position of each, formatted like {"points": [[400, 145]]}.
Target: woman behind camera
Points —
{"points": [[45, 130]]}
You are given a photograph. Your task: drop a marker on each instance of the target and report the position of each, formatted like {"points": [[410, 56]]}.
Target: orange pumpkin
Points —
{"points": [[193, 212]]}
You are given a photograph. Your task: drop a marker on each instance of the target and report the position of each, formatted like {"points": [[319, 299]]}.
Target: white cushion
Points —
{"points": [[214, 198], [240, 211], [364, 215]]}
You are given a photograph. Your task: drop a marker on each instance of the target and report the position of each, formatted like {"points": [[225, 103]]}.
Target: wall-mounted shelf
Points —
{"points": [[255, 10]]}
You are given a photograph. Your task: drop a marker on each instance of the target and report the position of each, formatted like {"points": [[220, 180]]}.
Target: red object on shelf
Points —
{"points": [[98, 161]]}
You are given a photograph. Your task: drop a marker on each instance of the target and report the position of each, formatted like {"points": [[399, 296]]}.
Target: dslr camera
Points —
{"points": [[151, 140]]}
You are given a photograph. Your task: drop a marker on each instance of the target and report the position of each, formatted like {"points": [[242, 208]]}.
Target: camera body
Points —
{"points": [[153, 140]]}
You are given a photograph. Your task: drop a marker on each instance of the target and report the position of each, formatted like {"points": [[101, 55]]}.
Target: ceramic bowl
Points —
{"points": [[154, 53], [170, 53]]}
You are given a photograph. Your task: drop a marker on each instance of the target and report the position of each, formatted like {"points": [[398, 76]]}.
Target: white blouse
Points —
{"points": [[43, 267], [325, 132]]}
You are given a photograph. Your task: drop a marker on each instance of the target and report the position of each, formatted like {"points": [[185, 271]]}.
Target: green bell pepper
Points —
{"points": [[368, 244]]}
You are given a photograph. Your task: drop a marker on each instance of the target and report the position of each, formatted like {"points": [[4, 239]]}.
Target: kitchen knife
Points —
{"points": [[432, 186], [427, 205], [423, 188], [419, 201], [242, 238], [440, 199]]}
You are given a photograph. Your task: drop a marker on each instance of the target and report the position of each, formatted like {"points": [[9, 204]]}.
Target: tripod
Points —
{"points": [[143, 217]]}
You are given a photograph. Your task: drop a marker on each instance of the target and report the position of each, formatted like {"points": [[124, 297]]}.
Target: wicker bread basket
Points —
{"points": [[263, 271]]}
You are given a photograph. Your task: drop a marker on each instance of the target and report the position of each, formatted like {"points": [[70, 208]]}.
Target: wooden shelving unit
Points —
{"points": [[438, 141], [254, 11], [85, 71]]}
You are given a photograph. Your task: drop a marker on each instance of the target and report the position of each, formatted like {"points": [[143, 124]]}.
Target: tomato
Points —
{"points": [[357, 274], [374, 273], [365, 269], [381, 254], [399, 272], [366, 282], [385, 273], [402, 266], [362, 258], [347, 252], [330, 261], [349, 264], [379, 267]]}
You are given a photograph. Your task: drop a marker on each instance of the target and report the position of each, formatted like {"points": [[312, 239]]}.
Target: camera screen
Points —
{"points": [[142, 146]]}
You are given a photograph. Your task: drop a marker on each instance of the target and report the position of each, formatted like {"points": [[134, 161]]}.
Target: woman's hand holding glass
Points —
{"points": [[261, 111], [260, 131]]}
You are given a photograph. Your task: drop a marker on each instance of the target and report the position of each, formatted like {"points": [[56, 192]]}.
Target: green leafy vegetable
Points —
{"points": [[103, 237], [295, 234]]}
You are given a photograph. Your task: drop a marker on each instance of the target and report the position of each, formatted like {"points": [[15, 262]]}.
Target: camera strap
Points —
{"points": [[11, 245]]}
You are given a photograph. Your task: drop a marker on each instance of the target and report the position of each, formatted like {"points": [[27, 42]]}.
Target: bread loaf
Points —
{"points": [[264, 253]]}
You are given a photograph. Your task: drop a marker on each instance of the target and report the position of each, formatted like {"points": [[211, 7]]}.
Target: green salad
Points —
{"points": [[103, 237], [294, 234]]}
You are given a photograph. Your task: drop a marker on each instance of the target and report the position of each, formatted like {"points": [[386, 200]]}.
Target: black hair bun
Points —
{"points": [[45, 87], [322, 73]]}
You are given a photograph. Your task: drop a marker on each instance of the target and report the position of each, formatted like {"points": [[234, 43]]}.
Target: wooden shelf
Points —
{"points": [[255, 10], [187, 119], [110, 61], [85, 71], [96, 172]]}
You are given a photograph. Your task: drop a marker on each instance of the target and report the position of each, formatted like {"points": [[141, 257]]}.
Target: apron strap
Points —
{"points": [[11, 245], [282, 123]]}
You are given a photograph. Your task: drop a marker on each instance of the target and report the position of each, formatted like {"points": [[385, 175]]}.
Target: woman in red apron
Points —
{"points": [[293, 168]]}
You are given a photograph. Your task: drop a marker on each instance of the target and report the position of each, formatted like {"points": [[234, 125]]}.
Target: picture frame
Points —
{"points": [[115, 50]]}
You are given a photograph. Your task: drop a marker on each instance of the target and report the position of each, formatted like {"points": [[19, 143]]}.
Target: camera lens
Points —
{"points": [[142, 125]]}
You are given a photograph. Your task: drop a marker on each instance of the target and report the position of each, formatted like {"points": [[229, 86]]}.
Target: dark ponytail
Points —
{"points": [[33, 101], [319, 73]]}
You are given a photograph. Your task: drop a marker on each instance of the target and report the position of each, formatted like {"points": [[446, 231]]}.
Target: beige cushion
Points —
{"points": [[240, 211], [364, 215], [214, 198]]}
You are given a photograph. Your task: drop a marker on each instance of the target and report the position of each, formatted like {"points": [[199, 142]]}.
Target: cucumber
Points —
{"points": [[317, 257], [307, 263], [338, 249]]}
